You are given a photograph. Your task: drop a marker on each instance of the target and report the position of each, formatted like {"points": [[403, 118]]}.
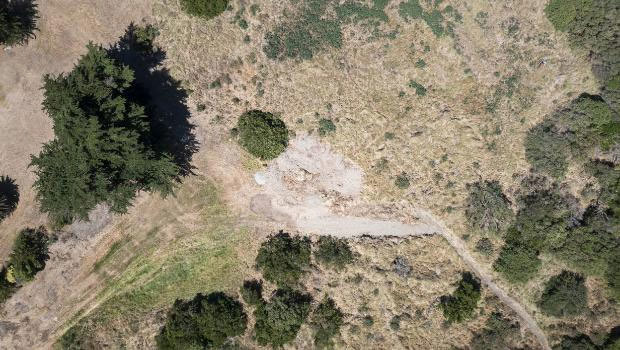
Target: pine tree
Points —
{"points": [[18, 21], [102, 150]]}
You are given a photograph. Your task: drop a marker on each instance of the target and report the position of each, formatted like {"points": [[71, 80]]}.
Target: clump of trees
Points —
{"points": [[9, 196], [333, 252], [487, 208], [206, 321], [283, 258], [103, 148], [204, 8], [262, 134], [279, 320], [462, 303], [18, 21], [565, 294], [30, 252], [326, 321]]}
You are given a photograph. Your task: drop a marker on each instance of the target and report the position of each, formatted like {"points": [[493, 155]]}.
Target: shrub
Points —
{"points": [[103, 150], [464, 300], [487, 207], [402, 181], [283, 258], [252, 292], [7, 288], [484, 246], [326, 126], [29, 254], [565, 294], [517, 261], [326, 321], [9, 196], [203, 322], [499, 332], [279, 320], [18, 21], [262, 134], [420, 90], [613, 275], [333, 252], [579, 342], [545, 150], [204, 8]]}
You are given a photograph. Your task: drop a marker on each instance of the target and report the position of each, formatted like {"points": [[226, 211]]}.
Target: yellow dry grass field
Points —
{"points": [[486, 85]]}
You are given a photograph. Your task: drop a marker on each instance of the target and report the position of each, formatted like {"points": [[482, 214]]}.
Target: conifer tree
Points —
{"points": [[18, 21]]}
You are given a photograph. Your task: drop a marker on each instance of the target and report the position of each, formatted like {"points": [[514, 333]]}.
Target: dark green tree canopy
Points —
{"points": [[333, 252], [207, 321], [487, 208], [9, 196], [326, 321], [283, 259], [565, 294], [262, 134], [464, 300], [204, 8], [7, 288], [252, 292], [279, 320], [102, 150], [29, 254], [18, 21]]}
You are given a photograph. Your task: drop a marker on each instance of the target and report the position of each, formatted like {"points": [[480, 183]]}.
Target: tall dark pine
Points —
{"points": [[18, 21], [102, 150]]}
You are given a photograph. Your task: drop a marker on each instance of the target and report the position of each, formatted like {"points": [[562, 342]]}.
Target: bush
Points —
{"points": [[613, 275], [579, 342], [546, 151], [204, 8], [326, 126], [499, 333], [252, 292], [402, 181], [484, 246], [203, 322], [29, 254], [326, 322], [565, 295], [464, 300], [333, 252], [18, 21], [103, 150], [7, 288], [9, 196], [279, 320], [262, 134], [517, 261], [487, 208], [283, 258]]}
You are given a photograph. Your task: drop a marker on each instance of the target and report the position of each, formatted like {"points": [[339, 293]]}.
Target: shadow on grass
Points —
{"points": [[164, 98]]}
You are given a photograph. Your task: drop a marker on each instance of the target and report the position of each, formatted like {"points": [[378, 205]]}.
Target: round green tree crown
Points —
{"points": [[204, 8]]}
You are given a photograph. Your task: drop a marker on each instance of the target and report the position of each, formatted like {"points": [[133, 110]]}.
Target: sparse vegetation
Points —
{"points": [[102, 150], [283, 259], [29, 254], [279, 320], [564, 295], [326, 126], [333, 252], [204, 8], [206, 321], [18, 21], [252, 292], [326, 321], [462, 303], [262, 134], [487, 208]]}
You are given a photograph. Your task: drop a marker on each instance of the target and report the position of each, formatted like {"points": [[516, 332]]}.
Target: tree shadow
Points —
{"points": [[9, 196], [164, 98]]}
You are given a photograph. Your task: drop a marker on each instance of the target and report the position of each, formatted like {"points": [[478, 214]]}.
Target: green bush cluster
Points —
{"points": [[333, 252], [102, 150], [499, 332], [420, 90], [326, 321], [565, 294], [30, 252], [204, 8], [462, 303], [487, 208], [206, 321], [279, 320], [18, 21], [252, 292], [283, 259], [402, 181], [262, 134]]}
